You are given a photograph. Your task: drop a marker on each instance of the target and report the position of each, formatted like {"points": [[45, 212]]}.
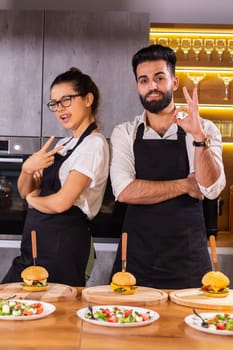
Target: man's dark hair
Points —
{"points": [[155, 53]]}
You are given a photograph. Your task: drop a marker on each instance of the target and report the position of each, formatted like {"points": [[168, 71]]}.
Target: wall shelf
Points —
{"points": [[205, 59]]}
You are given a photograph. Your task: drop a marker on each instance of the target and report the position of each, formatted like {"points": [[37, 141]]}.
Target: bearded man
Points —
{"points": [[163, 164]]}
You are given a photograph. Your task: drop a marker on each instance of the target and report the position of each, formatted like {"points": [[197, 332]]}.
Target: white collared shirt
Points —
{"points": [[90, 158], [122, 168]]}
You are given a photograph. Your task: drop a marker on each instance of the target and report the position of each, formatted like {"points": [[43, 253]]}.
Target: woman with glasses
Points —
{"points": [[64, 186]]}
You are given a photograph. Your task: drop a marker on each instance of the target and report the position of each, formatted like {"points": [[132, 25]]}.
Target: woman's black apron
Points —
{"points": [[63, 240], [167, 242]]}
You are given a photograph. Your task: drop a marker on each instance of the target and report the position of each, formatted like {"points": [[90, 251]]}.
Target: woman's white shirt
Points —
{"points": [[90, 158]]}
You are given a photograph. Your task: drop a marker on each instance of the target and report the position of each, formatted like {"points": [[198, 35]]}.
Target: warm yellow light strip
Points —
{"points": [[201, 32], [213, 106], [214, 70]]}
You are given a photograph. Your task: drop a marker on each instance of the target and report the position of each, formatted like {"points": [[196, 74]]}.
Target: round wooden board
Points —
{"points": [[142, 296], [193, 297], [55, 292]]}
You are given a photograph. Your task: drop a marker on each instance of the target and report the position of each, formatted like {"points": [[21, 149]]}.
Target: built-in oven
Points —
{"points": [[13, 152]]}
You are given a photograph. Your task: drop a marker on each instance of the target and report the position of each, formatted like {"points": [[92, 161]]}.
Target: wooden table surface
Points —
{"points": [[64, 330]]}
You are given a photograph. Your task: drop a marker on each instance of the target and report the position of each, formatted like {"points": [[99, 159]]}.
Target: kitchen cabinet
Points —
{"points": [[36, 46], [21, 72], [205, 59], [101, 45]]}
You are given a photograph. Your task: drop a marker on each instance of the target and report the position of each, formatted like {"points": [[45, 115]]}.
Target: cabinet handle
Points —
{"points": [[11, 160]]}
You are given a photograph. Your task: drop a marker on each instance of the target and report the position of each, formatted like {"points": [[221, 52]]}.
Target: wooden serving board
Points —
{"points": [[142, 296], [195, 298], [55, 292]]}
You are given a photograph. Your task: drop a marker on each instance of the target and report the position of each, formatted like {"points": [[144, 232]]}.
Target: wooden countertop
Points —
{"points": [[64, 330]]}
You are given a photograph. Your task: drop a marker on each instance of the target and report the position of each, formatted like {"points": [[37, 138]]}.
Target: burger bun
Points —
{"points": [[35, 288], [216, 295], [124, 278], [123, 283], [214, 284], [34, 279]]}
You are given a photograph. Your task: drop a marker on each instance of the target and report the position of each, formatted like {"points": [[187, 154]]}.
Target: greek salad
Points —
{"points": [[221, 322], [118, 314], [18, 308]]}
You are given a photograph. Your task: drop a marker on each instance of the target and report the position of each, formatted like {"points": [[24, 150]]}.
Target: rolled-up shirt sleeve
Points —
{"points": [[122, 168], [215, 138]]}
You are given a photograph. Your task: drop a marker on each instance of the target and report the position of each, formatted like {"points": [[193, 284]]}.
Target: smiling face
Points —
{"points": [[155, 85], [78, 115]]}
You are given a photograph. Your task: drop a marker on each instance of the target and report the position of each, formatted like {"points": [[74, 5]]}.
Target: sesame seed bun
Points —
{"points": [[35, 279], [124, 278], [215, 279], [35, 273], [123, 283], [215, 284]]}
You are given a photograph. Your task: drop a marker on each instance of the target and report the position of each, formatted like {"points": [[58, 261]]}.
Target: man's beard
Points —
{"points": [[159, 105]]}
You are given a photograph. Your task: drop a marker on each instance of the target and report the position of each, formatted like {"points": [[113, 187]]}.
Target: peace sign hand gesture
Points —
{"points": [[41, 159]]}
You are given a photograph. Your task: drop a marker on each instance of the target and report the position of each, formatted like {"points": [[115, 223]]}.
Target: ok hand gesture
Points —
{"points": [[191, 123]]}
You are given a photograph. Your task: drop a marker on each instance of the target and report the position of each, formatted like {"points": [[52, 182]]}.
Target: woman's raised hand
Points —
{"points": [[41, 159]]}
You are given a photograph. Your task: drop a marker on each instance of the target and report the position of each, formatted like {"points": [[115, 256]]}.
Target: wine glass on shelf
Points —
{"points": [[174, 44], [196, 78], [163, 41], [230, 47], [185, 46], [226, 79], [220, 46], [208, 47], [197, 45]]}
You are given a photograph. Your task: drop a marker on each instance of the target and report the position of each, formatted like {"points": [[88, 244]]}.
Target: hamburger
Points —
{"points": [[123, 283], [214, 284], [35, 279]]}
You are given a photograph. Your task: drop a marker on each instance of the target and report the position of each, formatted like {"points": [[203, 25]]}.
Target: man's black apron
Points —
{"points": [[167, 242], [63, 240]]}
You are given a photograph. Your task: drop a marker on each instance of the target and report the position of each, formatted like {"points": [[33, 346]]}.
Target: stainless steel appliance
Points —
{"points": [[13, 152]]}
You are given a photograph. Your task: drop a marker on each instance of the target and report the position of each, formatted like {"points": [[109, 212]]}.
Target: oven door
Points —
{"points": [[12, 207]]}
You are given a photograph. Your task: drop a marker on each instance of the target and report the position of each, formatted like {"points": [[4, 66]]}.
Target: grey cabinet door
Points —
{"points": [[101, 45], [21, 72]]}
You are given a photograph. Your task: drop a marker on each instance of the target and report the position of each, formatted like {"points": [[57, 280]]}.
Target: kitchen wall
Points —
{"points": [[160, 11], [36, 46]]}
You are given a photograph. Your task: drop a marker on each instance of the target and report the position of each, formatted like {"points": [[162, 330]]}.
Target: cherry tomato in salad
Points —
{"points": [[38, 307], [145, 316], [221, 326], [106, 312], [128, 312], [112, 318], [27, 312]]}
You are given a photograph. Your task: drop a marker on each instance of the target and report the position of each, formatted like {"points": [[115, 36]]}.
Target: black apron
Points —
{"points": [[167, 242], [63, 240]]}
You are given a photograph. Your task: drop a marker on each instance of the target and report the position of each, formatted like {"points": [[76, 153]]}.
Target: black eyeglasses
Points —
{"points": [[65, 101]]}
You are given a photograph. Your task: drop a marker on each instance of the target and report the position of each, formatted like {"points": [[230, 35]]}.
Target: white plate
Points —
{"points": [[195, 322], [48, 309], [82, 312]]}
